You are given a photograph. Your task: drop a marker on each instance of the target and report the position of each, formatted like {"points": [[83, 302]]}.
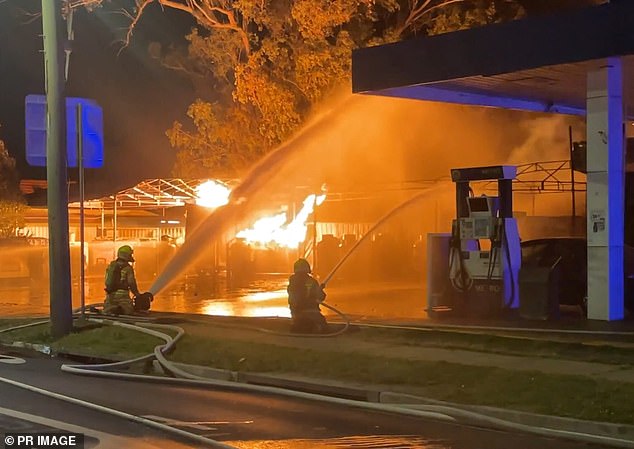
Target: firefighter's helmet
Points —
{"points": [[125, 253], [301, 266]]}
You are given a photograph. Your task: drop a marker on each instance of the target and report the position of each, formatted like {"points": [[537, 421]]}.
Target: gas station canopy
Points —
{"points": [[577, 63], [536, 64]]}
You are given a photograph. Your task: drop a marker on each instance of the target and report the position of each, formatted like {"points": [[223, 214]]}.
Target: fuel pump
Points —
{"points": [[484, 253]]}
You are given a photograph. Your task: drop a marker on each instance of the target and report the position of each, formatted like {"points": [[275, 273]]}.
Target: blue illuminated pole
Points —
{"points": [[605, 190], [56, 175]]}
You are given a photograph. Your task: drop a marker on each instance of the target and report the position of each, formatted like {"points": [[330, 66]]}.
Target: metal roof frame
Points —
{"points": [[535, 177], [152, 194]]}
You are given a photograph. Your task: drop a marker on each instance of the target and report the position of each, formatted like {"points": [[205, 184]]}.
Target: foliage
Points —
{"points": [[12, 205], [298, 52], [9, 182], [214, 145], [262, 66], [11, 217], [482, 13]]}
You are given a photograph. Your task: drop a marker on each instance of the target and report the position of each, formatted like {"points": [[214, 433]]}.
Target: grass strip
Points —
{"points": [[104, 341], [562, 395], [589, 351], [554, 394], [582, 348]]}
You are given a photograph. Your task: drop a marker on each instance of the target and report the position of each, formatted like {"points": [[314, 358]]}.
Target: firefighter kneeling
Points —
{"points": [[120, 281], [304, 296]]}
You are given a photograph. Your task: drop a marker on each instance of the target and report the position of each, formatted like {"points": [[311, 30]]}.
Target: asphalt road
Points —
{"points": [[245, 420], [26, 412]]}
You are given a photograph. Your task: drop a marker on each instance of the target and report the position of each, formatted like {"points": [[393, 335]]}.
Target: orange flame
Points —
{"points": [[275, 229], [212, 194]]}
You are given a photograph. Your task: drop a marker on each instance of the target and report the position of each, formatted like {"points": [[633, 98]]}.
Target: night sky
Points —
{"points": [[140, 98]]}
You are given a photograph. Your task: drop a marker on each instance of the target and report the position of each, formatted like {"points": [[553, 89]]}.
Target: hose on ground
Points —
{"points": [[345, 324], [182, 377], [474, 328], [343, 329], [436, 412], [92, 369]]}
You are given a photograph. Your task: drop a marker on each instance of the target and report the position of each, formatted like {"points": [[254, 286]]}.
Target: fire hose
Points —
{"points": [[441, 413]]}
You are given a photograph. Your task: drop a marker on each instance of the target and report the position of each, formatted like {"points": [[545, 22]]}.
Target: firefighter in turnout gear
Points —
{"points": [[120, 281], [304, 296]]}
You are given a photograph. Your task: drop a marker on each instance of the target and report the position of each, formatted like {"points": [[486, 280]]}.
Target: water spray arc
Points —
{"points": [[390, 214], [270, 173], [347, 144]]}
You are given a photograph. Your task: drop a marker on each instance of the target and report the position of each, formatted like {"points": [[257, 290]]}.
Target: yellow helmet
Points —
{"points": [[125, 253]]}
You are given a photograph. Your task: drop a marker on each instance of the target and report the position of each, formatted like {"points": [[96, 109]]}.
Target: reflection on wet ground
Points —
{"points": [[368, 442], [262, 297]]}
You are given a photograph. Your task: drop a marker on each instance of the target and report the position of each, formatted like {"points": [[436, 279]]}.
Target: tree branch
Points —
{"points": [[208, 13], [86, 3], [417, 11], [141, 5]]}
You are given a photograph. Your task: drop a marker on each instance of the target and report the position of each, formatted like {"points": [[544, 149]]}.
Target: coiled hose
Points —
{"points": [[435, 412]]}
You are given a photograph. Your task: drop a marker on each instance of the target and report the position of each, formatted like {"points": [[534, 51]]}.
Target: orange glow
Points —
{"points": [[239, 308], [218, 309], [212, 194], [275, 229], [265, 296], [267, 311]]}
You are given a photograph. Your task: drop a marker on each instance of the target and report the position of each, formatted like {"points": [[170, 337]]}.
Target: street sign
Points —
{"points": [[91, 130]]}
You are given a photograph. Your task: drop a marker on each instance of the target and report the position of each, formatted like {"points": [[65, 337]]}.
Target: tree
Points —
{"points": [[263, 89], [299, 51], [434, 17], [483, 12], [264, 65], [12, 205]]}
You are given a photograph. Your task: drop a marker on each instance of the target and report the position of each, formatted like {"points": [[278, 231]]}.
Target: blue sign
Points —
{"points": [[92, 131]]}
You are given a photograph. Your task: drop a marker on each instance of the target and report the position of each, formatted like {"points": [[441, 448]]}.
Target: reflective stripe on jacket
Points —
{"points": [[122, 284], [304, 292]]}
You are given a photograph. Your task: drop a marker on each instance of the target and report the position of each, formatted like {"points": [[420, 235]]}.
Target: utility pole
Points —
{"points": [[82, 258], [57, 194], [572, 175], [315, 231]]}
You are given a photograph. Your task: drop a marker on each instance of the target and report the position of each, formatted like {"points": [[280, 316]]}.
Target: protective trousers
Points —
{"points": [[118, 303]]}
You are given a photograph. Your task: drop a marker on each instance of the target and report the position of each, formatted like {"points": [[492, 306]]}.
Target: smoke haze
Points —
{"points": [[366, 143]]}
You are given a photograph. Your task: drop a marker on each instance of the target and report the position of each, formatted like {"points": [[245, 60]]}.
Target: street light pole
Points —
{"points": [[57, 195]]}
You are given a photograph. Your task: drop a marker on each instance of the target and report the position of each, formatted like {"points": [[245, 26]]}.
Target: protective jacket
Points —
{"points": [[304, 293], [120, 280]]}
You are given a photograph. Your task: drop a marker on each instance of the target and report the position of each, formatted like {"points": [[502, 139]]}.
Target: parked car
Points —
{"points": [[573, 282]]}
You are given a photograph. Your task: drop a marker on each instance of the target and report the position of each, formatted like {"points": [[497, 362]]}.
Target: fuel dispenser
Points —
{"points": [[475, 269]]}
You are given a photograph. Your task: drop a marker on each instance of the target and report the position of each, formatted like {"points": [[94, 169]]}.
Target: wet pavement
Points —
{"points": [[401, 303], [263, 297], [23, 411], [246, 420]]}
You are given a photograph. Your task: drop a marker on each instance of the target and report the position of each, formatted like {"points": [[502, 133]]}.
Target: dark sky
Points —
{"points": [[140, 99]]}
